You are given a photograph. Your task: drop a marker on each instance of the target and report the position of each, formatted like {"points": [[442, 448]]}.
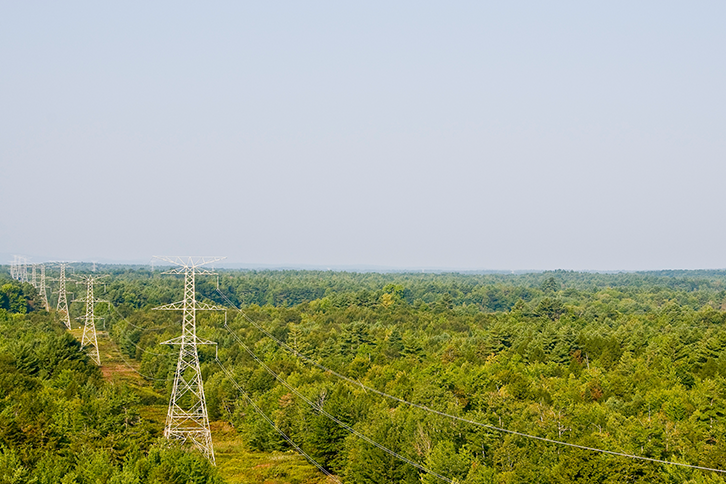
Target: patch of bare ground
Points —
{"points": [[236, 463]]}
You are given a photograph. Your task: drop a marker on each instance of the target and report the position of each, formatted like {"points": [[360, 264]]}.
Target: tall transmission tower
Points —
{"points": [[89, 321], [14, 267], [187, 419], [62, 306], [19, 268], [42, 288], [34, 276], [24, 270]]}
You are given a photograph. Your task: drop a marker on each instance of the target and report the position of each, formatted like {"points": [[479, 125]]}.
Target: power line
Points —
{"points": [[121, 316], [455, 417], [279, 431], [320, 409], [146, 377], [143, 350]]}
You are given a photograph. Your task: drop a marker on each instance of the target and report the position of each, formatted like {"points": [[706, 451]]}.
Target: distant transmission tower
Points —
{"points": [[89, 326], [42, 290], [14, 268], [62, 306], [34, 276], [19, 268], [24, 270], [187, 419]]}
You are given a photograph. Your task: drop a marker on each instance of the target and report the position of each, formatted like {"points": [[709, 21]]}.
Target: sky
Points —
{"points": [[411, 134]]}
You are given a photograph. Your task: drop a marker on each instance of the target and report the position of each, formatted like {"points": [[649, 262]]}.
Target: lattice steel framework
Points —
{"points": [[42, 289], [62, 306], [89, 340], [19, 268], [14, 268], [187, 419]]}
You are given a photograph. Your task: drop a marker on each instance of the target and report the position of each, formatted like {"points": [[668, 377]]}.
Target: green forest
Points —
{"points": [[631, 363]]}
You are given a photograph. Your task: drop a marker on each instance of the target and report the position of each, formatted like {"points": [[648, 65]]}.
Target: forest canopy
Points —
{"points": [[628, 362]]}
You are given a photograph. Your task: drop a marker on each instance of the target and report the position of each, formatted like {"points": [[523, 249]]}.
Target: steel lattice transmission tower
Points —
{"points": [[19, 268], [89, 321], [14, 268], [62, 306], [24, 270], [42, 288], [187, 419], [34, 276]]}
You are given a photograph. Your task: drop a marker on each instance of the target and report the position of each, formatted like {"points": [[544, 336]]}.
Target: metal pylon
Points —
{"points": [[42, 288], [24, 270], [62, 306], [14, 268], [89, 340], [187, 419], [19, 268]]}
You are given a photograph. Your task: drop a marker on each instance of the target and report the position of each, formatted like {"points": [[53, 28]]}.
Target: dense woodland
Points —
{"points": [[629, 362]]}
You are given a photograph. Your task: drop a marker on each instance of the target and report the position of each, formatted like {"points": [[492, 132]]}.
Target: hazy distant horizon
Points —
{"points": [[361, 268]]}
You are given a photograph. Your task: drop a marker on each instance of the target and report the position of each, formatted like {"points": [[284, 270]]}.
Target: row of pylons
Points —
{"points": [[187, 419], [35, 274]]}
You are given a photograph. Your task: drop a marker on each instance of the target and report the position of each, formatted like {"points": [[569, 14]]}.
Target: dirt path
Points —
{"points": [[236, 463]]}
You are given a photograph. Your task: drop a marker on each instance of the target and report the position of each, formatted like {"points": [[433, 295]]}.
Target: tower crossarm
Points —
{"points": [[178, 341], [83, 299], [191, 262], [182, 271], [179, 306]]}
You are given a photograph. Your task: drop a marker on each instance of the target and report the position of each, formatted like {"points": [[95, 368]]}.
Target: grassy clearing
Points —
{"points": [[236, 463]]}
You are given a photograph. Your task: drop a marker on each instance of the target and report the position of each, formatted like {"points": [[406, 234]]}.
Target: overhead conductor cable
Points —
{"points": [[320, 409], [455, 417]]}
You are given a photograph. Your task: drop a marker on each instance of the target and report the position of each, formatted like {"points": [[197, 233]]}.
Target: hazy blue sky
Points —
{"points": [[472, 135]]}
